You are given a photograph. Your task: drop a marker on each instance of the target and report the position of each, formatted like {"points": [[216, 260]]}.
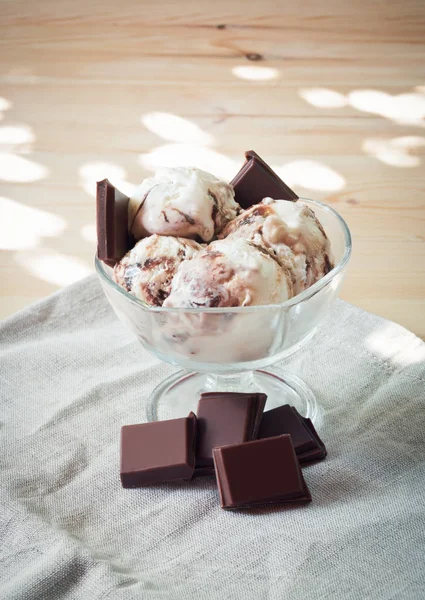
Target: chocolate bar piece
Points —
{"points": [[286, 419], [113, 239], [158, 452], [256, 180], [225, 418], [259, 472]]}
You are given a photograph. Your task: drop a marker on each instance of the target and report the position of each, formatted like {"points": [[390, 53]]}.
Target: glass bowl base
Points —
{"points": [[177, 395]]}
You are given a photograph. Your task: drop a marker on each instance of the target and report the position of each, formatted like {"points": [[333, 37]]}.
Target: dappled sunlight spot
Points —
{"points": [[323, 97], [4, 103], [405, 109], [395, 152], [372, 101], [88, 233], [386, 344], [409, 141], [53, 267], [255, 73], [21, 226], [311, 175], [89, 187], [97, 170], [190, 155], [17, 134], [91, 172], [173, 128], [17, 169]]}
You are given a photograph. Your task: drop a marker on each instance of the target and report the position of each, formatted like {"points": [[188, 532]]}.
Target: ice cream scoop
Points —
{"points": [[230, 272], [148, 269], [291, 231], [184, 202]]}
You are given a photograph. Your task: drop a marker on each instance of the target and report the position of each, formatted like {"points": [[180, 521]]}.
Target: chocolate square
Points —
{"points": [[113, 239], [259, 472], [256, 180], [225, 418], [158, 452], [286, 419]]}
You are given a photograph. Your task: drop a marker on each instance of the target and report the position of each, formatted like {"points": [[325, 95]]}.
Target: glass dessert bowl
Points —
{"points": [[234, 348]]}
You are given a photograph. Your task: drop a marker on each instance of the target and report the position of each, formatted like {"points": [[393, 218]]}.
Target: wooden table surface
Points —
{"points": [[330, 93]]}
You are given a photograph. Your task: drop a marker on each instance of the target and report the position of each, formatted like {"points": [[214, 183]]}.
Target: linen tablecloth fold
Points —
{"points": [[71, 375]]}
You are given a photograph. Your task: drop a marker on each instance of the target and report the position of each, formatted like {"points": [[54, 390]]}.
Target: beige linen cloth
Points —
{"points": [[71, 375]]}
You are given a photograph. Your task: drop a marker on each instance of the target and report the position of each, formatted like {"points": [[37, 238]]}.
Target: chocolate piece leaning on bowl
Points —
{"points": [[225, 418], [113, 238], [259, 472], [256, 181], [286, 419], [158, 452]]}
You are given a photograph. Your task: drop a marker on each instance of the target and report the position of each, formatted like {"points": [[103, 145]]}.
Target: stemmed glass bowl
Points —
{"points": [[233, 349]]}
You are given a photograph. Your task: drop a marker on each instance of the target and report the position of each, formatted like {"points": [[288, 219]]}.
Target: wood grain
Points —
{"points": [[81, 76]]}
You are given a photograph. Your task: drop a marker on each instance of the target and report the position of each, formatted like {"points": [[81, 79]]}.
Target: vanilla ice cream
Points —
{"points": [[148, 269], [230, 272], [292, 232], [184, 202]]}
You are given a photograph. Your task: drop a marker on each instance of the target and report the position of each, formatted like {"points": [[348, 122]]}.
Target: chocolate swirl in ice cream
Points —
{"points": [[147, 271], [230, 272], [184, 202], [291, 231]]}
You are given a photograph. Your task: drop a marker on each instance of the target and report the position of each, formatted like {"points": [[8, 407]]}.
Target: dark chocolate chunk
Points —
{"points": [[158, 452], [286, 419], [226, 418], [256, 180], [259, 472], [113, 239]]}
